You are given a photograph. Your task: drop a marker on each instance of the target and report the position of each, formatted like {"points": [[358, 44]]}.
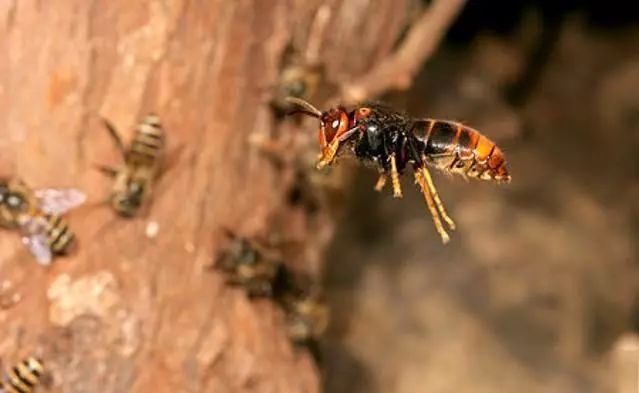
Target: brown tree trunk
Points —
{"points": [[129, 312]]}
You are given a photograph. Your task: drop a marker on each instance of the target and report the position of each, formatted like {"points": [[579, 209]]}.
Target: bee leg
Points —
{"points": [[419, 179], [115, 136], [106, 170], [381, 182], [438, 201], [397, 187]]}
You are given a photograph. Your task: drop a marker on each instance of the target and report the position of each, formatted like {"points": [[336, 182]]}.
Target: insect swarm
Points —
{"points": [[38, 215], [391, 141], [23, 377], [142, 163], [260, 270]]}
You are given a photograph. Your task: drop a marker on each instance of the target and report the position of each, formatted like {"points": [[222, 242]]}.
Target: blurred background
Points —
{"points": [[538, 289]]}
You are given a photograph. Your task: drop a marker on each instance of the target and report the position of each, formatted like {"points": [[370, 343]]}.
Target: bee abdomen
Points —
{"points": [[23, 377], [456, 148], [60, 237], [148, 142]]}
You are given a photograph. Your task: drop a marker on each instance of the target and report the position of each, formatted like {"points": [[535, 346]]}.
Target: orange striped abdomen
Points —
{"points": [[456, 148]]}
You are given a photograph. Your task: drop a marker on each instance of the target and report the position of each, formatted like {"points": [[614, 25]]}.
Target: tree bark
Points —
{"points": [[131, 312]]}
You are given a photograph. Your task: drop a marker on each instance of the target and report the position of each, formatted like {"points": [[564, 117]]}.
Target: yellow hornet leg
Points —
{"points": [[397, 187], [381, 182], [419, 179], [328, 154], [438, 202]]}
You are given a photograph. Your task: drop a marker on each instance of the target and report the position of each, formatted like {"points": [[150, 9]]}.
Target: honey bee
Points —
{"points": [[38, 215], [296, 80], [391, 140], [23, 377], [307, 313], [247, 263], [302, 72], [142, 164]]}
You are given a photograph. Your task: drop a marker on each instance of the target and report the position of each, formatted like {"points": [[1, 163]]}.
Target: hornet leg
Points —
{"points": [[381, 182], [419, 179], [397, 187], [438, 201]]}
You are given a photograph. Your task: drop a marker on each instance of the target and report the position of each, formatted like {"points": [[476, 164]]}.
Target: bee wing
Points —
{"points": [[34, 236], [59, 200]]}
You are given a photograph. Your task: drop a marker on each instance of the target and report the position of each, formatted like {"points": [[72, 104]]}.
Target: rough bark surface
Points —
{"points": [[128, 312]]}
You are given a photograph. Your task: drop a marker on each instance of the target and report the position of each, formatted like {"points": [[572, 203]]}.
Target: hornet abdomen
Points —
{"points": [[456, 148]]}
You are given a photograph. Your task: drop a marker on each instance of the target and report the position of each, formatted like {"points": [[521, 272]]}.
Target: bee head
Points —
{"points": [[14, 202], [127, 203]]}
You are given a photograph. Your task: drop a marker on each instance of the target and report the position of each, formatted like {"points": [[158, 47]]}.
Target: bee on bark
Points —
{"points": [[307, 318], [260, 270], [296, 80], [392, 141], [23, 377], [302, 71], [38, 215], [249, 264], [300, 297], [142, 163]]}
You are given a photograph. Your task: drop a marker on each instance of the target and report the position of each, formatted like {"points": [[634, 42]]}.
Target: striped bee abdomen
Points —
{"points": [[59, 237], [23, 377], [148, 142], [456, 148]]}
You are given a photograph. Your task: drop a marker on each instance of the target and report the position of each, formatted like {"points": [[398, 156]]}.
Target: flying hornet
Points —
{"points": [[392, 141]]}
